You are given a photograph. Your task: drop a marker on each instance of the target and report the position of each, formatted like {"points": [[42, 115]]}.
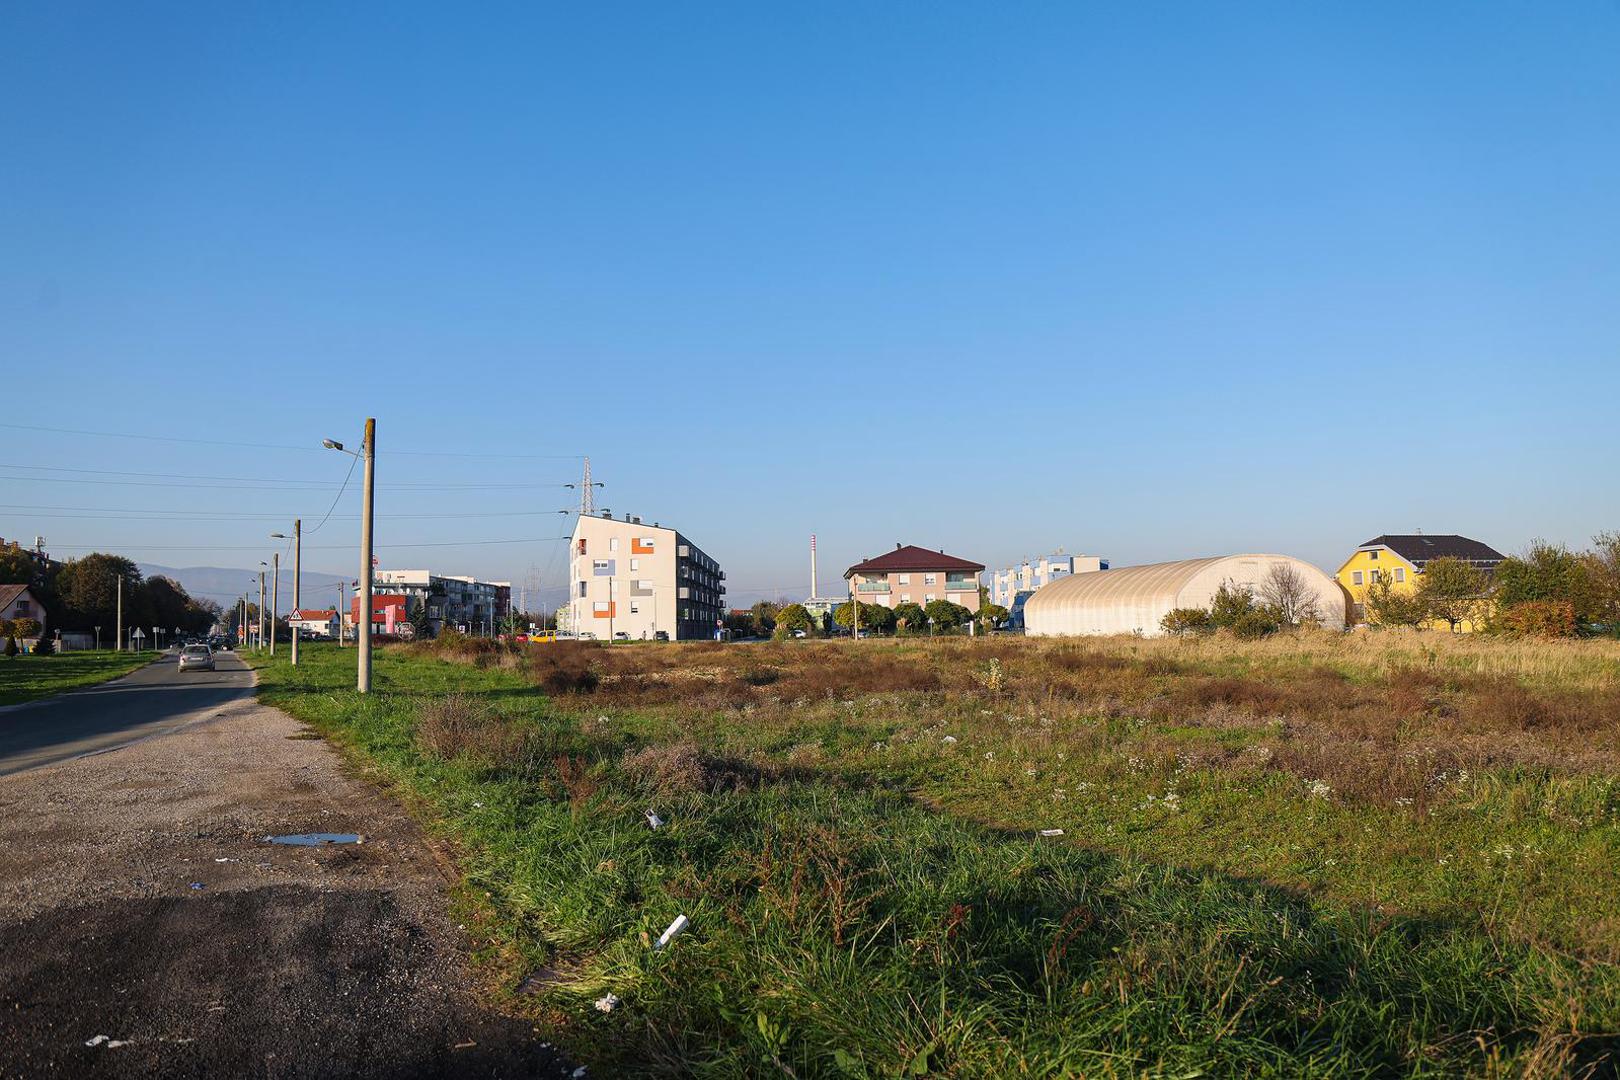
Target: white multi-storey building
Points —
{"points": [[641, 582], [1013, 585], [463, 603]]}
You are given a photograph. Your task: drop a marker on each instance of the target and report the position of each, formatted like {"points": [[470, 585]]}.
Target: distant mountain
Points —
{"points": [[223, 585]]}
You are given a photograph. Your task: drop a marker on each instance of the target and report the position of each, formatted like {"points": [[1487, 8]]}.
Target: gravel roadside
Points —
{"points": [[139, 901]]}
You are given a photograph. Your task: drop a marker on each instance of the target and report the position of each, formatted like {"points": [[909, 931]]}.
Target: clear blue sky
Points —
{"points": [[1147, 280]]}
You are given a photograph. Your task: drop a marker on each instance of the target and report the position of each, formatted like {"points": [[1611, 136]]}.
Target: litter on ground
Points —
{"points": [[1051, 832], [607, 1002], [654, 820], [669, 935]]}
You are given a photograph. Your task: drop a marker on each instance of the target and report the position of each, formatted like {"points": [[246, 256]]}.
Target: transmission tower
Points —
{"points": [[587, 500]]}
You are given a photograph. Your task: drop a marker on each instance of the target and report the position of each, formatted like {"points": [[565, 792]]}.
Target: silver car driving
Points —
{"points": [[196, 658]]}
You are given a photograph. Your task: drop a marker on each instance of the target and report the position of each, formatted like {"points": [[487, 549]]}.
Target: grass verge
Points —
{"points": [[853, 832], [29, 677]]}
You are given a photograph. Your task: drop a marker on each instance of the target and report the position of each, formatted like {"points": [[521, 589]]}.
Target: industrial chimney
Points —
{"points": [[813, 592]]}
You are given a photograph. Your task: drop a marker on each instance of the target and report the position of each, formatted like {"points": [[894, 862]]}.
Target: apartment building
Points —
{"points": [[639, 582], [461, 603], [915, 575], [1011, 586]]}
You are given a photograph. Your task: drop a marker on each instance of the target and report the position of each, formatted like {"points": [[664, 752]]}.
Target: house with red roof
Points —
{"points": [[915, 575]]}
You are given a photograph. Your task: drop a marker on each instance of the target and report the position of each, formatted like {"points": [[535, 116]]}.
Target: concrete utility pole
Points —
{"points": [[261, 608], [369, 449], [275, 597], [343, 609], [298, 573], [118, 642]]}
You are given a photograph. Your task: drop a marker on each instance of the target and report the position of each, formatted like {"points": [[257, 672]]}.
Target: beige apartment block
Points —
{"points": [[638, 582], [910, 574]]}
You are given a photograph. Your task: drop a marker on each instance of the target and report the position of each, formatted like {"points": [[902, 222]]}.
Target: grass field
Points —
{"points": [[1386, 855], [27, 677]]}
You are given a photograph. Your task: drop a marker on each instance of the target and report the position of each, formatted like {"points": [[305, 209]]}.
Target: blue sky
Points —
{"points": [[1146, 280]]}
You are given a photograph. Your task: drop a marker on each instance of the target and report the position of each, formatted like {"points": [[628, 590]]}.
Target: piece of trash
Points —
{"points": [[316, 839], [654, 820], [113, 1044], [669, 935], [948, 738], [1051, 832], [465, 1045], [607, 1003], [578, 1073], [227, 860], [97, 1041], [478, 806], [106, 1040], [197, 885]]}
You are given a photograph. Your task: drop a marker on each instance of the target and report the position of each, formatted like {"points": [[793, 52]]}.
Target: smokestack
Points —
{"points": [[813, 592]]}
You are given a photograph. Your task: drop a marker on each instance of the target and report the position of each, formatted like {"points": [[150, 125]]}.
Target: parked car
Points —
{"points": [[196, 658]]}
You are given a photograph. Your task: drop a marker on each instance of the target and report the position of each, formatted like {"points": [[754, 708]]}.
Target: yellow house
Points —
{"points": [[1400, 561]]}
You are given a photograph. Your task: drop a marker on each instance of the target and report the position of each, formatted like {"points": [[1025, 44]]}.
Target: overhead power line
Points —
{"points": [[280, 446]]}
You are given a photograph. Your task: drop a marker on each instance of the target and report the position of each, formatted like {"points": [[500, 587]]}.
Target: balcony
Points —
{"points": [[872, 587], [961, 586]]}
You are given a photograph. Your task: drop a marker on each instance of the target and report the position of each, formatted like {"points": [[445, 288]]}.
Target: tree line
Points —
{"points": [[82, 594]]}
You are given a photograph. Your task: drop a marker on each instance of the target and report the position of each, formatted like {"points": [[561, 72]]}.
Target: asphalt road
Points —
{"points": [[148, 701]]}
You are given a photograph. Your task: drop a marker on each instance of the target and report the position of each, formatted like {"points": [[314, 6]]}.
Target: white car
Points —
{"points": [[196, 658]]}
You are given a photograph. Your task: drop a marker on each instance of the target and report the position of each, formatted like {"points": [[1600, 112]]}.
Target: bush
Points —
{"points": [[1254, 624], [682, 768], [11, 645], [1538, 618], [1183, 621], [44, 647]]}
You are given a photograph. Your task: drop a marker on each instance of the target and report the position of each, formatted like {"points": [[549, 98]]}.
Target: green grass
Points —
{"points": [[875, 901], [27, 677]]}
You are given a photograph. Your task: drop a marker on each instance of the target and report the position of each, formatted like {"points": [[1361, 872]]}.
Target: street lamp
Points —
{"points": [[297, 538], [368, 452]]}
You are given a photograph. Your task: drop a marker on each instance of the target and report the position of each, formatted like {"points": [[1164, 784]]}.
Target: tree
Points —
{"points": [[1230, 603], [991, 615], [1551, 572], [87, 593], [1603, 576], [874, 617], [421, 626], [946, 615], [909, 616], [21, 628], [19, 567], [1453, 590], [1180, 622], [794, 617], [11, 645], [762, 617], [1290, 594], [1387, 606]]}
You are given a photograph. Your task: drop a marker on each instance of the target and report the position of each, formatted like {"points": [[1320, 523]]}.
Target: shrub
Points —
{"points": [[457, 725], [682, 768], [1231, 603], [1254, 624], [11, 645], [1183, 621], [1538, 618]]}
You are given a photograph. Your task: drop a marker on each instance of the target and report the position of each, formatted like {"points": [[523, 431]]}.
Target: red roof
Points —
{"points": [[910, 557], [324, 615]]}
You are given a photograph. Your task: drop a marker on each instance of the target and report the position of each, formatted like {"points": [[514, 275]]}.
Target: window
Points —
{"points": [[1375, 577], [905, 579], [582, 545], [613, 543], [600, 564], [1400, 573], [929, 599], [1372, 555], [582, 590], [1355, 577], [929, 579], [635, 608], [905, 598], [635, 564]]}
